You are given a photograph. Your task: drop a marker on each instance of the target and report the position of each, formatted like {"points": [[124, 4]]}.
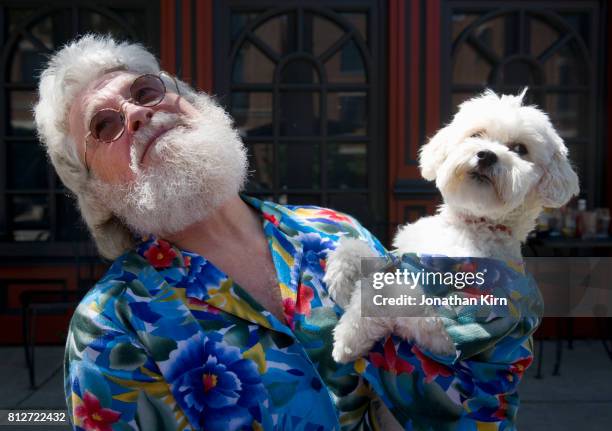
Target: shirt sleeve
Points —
{"points": [[479, 380], [110, 380]]}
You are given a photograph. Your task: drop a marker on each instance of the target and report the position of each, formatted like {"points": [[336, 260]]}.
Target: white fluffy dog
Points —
{"points": [[496, 164]]}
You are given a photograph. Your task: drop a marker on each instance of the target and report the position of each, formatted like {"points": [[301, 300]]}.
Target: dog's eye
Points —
{"points": [[477, 134], [518, 148]]}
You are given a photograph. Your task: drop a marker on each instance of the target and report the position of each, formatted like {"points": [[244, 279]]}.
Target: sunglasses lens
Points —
{"points": [[148, 90], [106, 125]]}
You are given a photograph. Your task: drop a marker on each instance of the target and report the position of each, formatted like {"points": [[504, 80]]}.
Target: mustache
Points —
{"points": [[141, 139]]}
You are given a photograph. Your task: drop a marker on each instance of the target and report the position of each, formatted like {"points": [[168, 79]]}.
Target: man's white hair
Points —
{"points": [[68, 72]]}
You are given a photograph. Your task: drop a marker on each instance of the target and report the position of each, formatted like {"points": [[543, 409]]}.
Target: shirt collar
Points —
{"points": [[202, 280]]}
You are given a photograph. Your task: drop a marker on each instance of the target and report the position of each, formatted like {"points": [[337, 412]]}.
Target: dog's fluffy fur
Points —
{"points": [[479, 197]]}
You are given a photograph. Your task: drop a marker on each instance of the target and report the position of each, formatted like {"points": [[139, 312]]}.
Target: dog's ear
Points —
{"points": [[432, 154], [559, 182]]}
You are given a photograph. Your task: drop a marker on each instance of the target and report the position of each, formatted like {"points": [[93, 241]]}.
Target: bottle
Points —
{"points": [[569, 223]]}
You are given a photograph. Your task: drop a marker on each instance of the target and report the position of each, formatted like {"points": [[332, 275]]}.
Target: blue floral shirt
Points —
{"points": [[165, 340]]}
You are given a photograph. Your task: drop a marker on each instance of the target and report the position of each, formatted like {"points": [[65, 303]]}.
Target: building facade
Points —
{"points": [[332, 98]]}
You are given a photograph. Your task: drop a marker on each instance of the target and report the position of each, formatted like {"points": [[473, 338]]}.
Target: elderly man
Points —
{"points": [[213, 315]]}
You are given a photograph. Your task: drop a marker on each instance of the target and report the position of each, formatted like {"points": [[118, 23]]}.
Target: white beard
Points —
{"points": [[193, 169]]}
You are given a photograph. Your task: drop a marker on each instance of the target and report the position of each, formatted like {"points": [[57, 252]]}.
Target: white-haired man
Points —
{"points": [[214, 314]]}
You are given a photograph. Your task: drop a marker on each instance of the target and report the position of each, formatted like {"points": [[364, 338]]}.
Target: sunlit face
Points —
{"points": [[111, 162], [170, 165]]}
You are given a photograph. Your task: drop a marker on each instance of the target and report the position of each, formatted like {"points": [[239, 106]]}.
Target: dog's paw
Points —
{"points": [[342, 353], [348, 342], [430, 334], [343, 269]]}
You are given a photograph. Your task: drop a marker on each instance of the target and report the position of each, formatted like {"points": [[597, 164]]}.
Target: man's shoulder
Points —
{"points": [[310, 217], [127, 271]]}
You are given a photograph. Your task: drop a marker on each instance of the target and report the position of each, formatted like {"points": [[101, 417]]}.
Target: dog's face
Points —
{"points": [[496, 154]]}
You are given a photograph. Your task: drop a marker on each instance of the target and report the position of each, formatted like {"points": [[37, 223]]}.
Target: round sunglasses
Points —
{"points": [[108, 124]]}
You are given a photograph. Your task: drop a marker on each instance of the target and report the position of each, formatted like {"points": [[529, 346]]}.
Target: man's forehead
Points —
{"points": [[99, 84]]}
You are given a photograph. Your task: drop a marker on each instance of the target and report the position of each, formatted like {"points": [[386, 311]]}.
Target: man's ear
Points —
{"points": [[559, 182], [432, 154]]}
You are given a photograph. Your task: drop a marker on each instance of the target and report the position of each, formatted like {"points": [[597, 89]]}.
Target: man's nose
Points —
{"points": [[137, 116], [486, 158]]}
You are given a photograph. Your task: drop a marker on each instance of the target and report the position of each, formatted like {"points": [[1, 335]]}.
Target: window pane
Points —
{"points": [[251, 65], [239, 21], [492, 34], [346, 65], [543, 35], [461, 21], [300, 114], [347, 113], [279, 33], [347, 165], [299, 166], [29, 217], [324, 32], [469, 67], [580, 23], [252, 112], [566, 67], [359, 21], [27, 62], [261, 166], [567, 114], [27, 167], [299, 72], [20, 105]]}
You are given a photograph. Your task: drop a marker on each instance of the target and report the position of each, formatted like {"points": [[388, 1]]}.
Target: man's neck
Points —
{"points": [[232, 223], [232, 238]]}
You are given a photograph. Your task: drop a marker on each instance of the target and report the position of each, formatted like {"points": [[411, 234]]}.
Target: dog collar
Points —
{"points": [[493, 227]]}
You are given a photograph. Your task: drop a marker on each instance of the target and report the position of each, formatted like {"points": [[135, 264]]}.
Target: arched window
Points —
{"points": [[303, 84], [34, 206], [544, 45]]}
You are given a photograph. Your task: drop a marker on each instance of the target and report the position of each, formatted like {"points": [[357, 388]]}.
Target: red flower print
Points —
{"points": [[333, 215], [520, 366], [289, 311], [302, 306], [93, 417], [431, 368], [502, 411], [305, 295], [468, 267], [205, 305], [160, 255], [390, 361], [271, 219]]}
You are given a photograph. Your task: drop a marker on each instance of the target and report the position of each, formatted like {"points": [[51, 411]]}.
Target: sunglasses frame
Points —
{"points": [[121, 110]]}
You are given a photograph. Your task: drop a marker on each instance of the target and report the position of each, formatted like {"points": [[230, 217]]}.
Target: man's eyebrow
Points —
{"points": [[93, 107], [102, 100]]}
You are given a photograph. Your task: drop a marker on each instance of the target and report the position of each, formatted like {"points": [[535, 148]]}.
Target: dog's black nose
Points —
{"points": [[486, 158]]}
